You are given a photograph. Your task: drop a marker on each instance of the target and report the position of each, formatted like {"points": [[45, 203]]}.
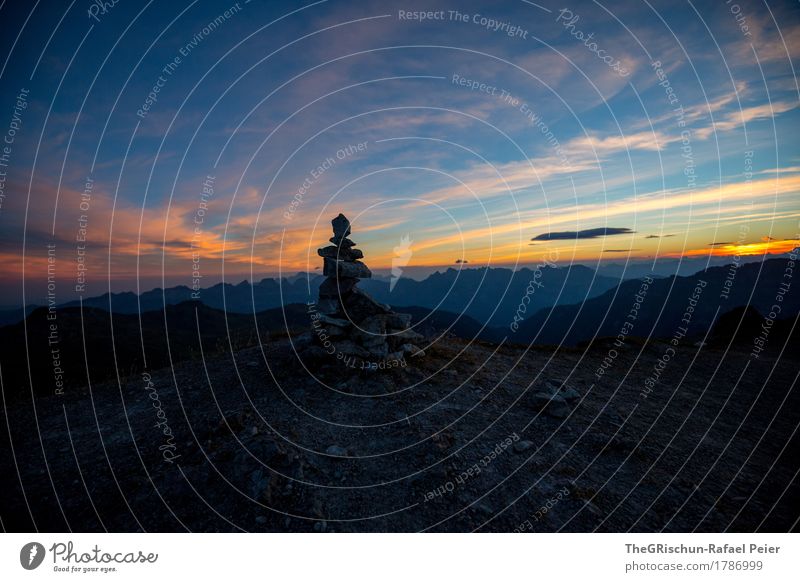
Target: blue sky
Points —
{"points": [[472, 141]]}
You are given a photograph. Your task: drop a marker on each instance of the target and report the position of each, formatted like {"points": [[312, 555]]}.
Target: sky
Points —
{"points": [[161, 143]]}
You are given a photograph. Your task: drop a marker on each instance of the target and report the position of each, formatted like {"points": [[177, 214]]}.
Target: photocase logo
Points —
{"points": [[402, 254], [31, 555]]}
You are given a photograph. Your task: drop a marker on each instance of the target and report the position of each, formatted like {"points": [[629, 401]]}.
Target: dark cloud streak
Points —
{"points": [[584, 234]]}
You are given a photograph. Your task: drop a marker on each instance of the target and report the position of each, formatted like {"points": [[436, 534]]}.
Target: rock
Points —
{"points": [[340, 253], [408, 335], [543, 399], [259, 483], [336, 451], [483, 507], [557, 410], [354, 269], [341, 226], [553, 404], [522, 446], [350, 348], [398, 320], [378, 350], [343, 242], [336, 332], [375, 325], [569, 394], [261, 520], [314, 353], [413, 350], [334, 287], [359, 305], [327, 305], [334, 321], [593, 508], [304, 340]]}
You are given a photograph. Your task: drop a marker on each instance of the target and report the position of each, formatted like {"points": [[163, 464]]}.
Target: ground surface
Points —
{"points": [[455, 441]]}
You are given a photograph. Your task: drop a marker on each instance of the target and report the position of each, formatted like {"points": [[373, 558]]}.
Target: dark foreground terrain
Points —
{"points": [[467, 437]]}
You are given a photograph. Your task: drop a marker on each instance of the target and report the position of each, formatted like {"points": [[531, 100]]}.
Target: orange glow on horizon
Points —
{"points": [[768, 247]]}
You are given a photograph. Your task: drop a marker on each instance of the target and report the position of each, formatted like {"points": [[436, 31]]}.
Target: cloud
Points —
{"points": [[620, 250], [745, 115], [720, 244], [461, 261], [644, 140], [583, 234], [659, 235]]}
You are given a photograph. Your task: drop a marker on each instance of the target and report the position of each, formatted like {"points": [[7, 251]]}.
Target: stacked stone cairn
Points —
{"points": [[357, 326]]}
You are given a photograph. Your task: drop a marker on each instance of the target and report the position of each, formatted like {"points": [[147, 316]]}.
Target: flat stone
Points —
{"points": [[351, 269], [342, 242], [334, 321], [340, 253]]}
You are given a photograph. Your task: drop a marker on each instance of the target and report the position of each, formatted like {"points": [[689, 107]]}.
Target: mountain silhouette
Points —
{"points": [[665, 303]]}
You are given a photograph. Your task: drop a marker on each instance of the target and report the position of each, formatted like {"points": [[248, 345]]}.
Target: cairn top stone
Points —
{"points": [[341, 227]]}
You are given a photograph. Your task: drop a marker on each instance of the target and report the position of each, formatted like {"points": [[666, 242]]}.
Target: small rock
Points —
{"points": [[542, 399], [483, 507], [558, 410], [334, 321], [569, 394], [522, 446], [336, 451], [413, 350], [261, 520], [593, 508]]}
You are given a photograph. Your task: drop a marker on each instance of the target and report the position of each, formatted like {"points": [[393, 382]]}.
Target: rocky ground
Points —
{"points": [[470, 436]]}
